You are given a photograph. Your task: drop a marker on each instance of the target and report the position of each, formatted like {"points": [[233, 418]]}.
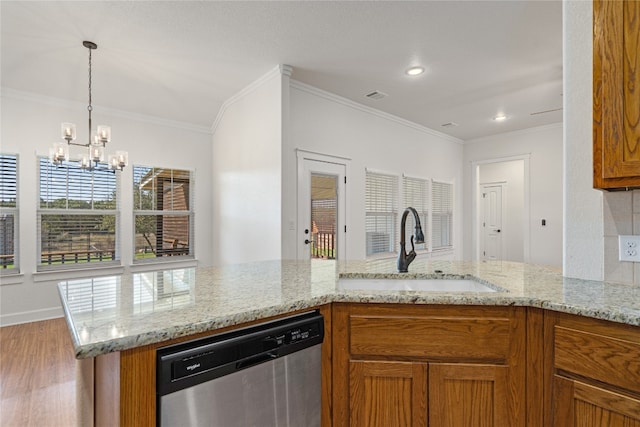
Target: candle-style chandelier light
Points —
{"points": [[96, 144]]}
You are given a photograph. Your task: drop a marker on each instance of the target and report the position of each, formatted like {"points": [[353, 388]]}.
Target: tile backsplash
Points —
{"points": [[621, 215]]}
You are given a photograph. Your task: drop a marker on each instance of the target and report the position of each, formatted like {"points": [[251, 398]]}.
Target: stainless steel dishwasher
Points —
{"points": [[262, 375]]}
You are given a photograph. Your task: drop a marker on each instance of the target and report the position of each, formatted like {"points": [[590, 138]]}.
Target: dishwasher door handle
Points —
{"points": [[254, 360]]}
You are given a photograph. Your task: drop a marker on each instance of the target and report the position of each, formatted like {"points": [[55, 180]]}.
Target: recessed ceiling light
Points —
{"points": [[415, 71], [500, 118]]}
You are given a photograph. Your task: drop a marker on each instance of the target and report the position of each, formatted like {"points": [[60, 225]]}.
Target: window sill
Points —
{"points": [[442, 252], [386, 255], [70, 274], [11, 278], [163, 265]]}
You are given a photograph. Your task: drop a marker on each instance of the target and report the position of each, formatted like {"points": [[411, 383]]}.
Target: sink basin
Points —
{"points": [[429, 285]]}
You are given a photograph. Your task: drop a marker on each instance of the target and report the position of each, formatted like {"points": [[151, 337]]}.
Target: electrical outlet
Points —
{"points": [[629, 248]]}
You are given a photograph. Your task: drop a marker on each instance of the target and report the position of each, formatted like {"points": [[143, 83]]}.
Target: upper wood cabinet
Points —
{"points": [[616, 94]]}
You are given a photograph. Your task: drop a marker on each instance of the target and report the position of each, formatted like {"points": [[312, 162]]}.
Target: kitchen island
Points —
{"points": [[117, 322]]}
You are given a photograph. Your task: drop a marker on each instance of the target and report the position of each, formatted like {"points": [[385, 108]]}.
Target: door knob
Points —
{"points": [[307, 241]]}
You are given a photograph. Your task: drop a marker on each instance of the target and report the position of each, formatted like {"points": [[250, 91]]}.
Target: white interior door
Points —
{"points": [[491, 222], [321, 209]]}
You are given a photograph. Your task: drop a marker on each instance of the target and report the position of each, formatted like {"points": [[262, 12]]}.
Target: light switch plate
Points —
{"points": [[629, 248]]}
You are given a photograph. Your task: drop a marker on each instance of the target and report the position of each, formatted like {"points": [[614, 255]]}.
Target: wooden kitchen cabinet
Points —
{"points": [[388, 393], [581, 404], [470, 395], [616, 94], [593, 370], [407, 365]]}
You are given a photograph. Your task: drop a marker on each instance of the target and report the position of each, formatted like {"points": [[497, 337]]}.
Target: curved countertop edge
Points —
{"points": [[397, 297]]}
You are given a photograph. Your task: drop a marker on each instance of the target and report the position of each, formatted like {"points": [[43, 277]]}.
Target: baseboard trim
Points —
{"points": [[30, 316]]}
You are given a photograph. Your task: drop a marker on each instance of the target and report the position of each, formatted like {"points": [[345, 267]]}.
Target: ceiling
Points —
{"points": [[181, 60]]}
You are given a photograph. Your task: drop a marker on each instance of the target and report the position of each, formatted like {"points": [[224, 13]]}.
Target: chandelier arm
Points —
{"points": [[79, 144]]}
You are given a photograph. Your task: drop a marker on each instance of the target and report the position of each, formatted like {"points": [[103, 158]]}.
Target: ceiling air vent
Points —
{"points": [[376, 94], [450, 125]]}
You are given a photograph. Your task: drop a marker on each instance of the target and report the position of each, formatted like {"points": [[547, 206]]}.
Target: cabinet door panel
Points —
{"points": [[463, 395], [616, 102], [582, 405], [621, 153], [388, 394]]}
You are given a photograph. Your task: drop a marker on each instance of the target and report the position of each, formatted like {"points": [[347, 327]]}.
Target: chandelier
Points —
{"points": [[94, 155]]}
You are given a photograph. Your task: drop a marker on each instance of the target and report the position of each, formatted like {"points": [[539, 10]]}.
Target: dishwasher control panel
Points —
{"points": [[295, 335], [211, 357]]}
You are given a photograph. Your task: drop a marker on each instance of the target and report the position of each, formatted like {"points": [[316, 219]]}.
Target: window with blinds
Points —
{"points": [[416, 194], [77, 217], [163, 213], [381, 211], [441, 215], [8, 213]]}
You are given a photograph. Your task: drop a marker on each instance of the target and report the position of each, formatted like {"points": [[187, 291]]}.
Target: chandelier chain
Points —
{"points": [[89, 107]]}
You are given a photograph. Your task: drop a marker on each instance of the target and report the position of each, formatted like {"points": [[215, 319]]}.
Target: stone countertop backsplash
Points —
{"points": [[115, 313]]}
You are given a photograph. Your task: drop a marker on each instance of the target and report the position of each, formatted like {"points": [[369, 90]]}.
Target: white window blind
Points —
{"points": [[78, 216], [381, 207], [8, 213], [163, 211], [416, 195], [442, 215]]}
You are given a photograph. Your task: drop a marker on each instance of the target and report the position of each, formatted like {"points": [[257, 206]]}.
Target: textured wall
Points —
{"points": [[583, 219]]}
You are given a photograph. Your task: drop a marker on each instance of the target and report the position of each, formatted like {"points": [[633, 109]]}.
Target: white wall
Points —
{"points": [[324, 123], [30, 124], [247, 180], [510, 175], [543, 146], [583, 206]]}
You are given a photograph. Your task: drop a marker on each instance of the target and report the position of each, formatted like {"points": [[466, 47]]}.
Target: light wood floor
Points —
{"points": [[37, 375]]}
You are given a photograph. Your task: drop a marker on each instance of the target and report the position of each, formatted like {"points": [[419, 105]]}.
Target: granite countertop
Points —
{"points": [[115, 313]]}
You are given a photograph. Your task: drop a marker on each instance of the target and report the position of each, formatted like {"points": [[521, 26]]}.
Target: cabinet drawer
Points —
{"points": [[430, 337], [612, 360]]}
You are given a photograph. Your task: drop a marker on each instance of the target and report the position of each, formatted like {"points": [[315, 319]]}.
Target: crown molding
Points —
{"points": [[66, 103], [369, 110], [286, 70], [518, 132], [280, 70]]}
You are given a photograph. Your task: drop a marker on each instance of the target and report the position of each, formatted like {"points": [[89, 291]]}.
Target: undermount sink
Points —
{"points": [[429, 285]]}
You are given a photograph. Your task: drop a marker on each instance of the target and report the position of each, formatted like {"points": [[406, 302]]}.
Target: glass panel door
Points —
{"points": [[324, 216]]}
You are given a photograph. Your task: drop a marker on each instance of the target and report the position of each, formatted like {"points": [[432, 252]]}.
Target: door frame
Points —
{"points": [[302, 156], [476, 199]]}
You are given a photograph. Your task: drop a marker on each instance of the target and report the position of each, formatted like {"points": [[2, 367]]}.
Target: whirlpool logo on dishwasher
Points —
{"points": [[192, 367]]}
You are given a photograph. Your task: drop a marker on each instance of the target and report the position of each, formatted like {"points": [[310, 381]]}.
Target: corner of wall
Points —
{"points": [[584, 248]]}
